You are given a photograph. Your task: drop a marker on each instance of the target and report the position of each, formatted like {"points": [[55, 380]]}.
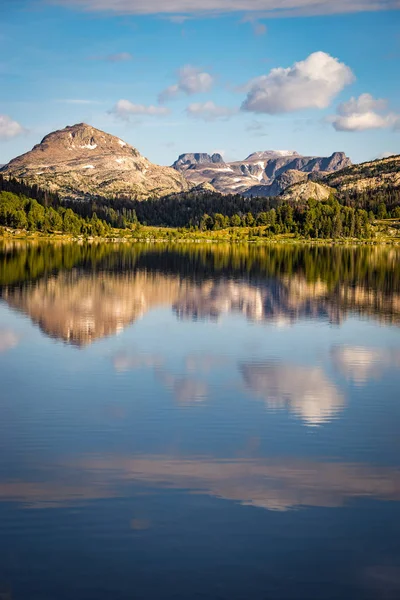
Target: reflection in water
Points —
{"points": [[149, 452], [360, 363], [128, 361], [8, 339], [79, 308], [185, 389], [306, 391], [270, 484], [85, 293]]}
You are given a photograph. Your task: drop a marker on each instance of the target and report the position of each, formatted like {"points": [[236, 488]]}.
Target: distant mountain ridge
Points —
{"points": [[81, 162], [261, 173]]}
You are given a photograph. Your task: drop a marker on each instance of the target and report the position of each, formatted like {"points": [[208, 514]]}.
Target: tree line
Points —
{"points": [[349, 215], [19, 212]]}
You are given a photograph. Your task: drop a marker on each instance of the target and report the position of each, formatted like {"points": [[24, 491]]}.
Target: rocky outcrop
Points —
{"points": [[261, 173], [80, 162], [301, 192], [370, 175], [185, 161]]}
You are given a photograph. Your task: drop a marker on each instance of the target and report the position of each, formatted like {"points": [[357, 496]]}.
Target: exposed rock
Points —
{"points": [[260, 174], [301, 192], [281, 183], [367, 176], [185, 161], [81, 161]]}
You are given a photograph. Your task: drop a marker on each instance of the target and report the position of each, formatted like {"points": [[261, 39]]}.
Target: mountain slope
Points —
{"points": [[81, 161], [260, 174], [371, 175]]}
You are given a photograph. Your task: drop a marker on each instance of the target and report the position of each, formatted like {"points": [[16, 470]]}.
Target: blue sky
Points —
{"points": [[234, 76]]}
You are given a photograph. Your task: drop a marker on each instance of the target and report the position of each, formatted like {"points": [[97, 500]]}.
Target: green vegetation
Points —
{"points": [[372, 215], [19, 212]]}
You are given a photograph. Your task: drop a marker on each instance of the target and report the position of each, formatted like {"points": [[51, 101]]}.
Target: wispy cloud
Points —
{"points": [[114, 58], [258, 27], [209, 111], [270, 8], [77, 101], [125, 109], [191, 80]]}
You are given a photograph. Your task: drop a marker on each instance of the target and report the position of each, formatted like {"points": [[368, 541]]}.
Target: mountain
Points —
{"points": [[81, 161], [261, 173], [372, 175]]}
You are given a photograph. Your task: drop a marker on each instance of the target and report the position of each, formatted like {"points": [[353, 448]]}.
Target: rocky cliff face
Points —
{"points": [[185, 161], [261, 173], [81, 161]]}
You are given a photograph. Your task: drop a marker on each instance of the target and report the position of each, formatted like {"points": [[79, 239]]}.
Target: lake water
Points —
{"points": [[183, 422]]}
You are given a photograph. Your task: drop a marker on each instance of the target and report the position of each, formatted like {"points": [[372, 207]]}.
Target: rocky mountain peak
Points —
{"points": [[189, 159], [81, 161], [271, 154], [85, 139]]}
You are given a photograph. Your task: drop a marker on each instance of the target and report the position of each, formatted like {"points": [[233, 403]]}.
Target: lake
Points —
{"points": [[194, 421]]}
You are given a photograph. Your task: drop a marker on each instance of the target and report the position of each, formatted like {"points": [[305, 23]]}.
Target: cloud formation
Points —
{"points": [[209, 111], [311, 83], [9, 128], [364, 112], [125, 109], [191, 80], [268, 8]]}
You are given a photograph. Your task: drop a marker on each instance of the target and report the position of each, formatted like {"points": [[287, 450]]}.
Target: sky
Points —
{"points": [[229, 76]]}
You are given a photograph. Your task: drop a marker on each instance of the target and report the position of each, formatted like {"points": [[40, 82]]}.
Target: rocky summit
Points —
{"points": [[80, 161], [261, 173]]}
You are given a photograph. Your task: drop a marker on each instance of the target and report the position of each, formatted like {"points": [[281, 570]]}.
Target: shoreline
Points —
{"points": [[67, 238]]}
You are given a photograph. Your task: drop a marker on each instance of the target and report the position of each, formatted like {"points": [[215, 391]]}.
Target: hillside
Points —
{"points": [[373, 175], [80, 161]]}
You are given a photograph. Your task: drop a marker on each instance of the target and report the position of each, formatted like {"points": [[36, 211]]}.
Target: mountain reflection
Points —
{"points": [[83, 293], [280, 484]]}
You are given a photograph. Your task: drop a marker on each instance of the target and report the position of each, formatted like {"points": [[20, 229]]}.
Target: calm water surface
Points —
{"points": [[195, 422]]}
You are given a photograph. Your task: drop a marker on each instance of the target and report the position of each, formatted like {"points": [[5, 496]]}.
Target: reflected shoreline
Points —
{"points": [[79, 294]]}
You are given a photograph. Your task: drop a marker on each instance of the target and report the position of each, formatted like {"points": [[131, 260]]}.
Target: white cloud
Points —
{"points": [[125, 109], [208, 111], [311, 83], [191, 80], [9, 128], [270, 8], [364, 112]]}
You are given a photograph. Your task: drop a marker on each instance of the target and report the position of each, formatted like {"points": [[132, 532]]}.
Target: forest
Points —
{"points": [[351, 216]]}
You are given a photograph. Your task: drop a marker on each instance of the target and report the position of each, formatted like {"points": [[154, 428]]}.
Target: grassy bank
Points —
{"points": [[383, 232]]}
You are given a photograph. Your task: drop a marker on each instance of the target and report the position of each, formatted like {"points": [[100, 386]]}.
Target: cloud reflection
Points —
{"points": [[186, 390], [305, 391], [8, 339], [280, 484], [361, 363]]}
